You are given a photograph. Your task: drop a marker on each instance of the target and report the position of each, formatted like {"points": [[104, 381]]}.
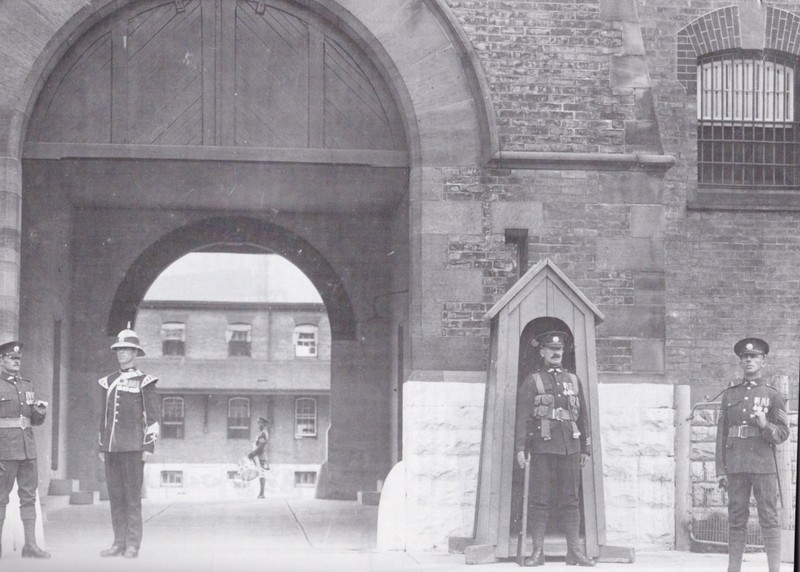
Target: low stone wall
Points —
{"points": [[442, 424], [637, 431]]}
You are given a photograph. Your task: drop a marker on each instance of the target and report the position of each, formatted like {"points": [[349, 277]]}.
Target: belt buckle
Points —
{"points": [[739, 429]]}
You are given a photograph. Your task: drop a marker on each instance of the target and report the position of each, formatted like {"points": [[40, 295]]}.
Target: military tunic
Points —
{"points": [[558, 383], [742, 447], [17, 444], [745, 453], [130, 413], [16, 400]]}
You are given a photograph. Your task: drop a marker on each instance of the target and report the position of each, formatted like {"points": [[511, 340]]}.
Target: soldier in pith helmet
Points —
{"points": [[552, 425], [752, 422], [129, 428], [19, 410]]}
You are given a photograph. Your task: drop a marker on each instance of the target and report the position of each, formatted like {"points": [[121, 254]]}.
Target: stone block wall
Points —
{"points": [[442, 425], [637, 428]]}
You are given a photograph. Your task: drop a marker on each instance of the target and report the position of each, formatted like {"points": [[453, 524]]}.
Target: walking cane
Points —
{"points": [[523, 532]]}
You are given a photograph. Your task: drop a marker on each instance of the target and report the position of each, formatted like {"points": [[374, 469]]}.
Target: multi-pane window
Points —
{"points": [[747, 135], [239, 339], [238, 418], [305, 417], [173, 338], [173, 412], [171, 478], [305, 340], [305, 478]]}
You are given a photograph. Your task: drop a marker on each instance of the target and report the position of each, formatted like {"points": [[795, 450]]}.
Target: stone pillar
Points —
{"points": [[358, 439], [10, 233]]}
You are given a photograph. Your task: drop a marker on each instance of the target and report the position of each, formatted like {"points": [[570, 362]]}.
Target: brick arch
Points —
{"points": [[246, 232], [783, 31], [711, 32]]}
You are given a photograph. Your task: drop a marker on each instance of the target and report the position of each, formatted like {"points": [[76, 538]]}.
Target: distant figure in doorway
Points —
{"points": [[19, 410], [752, 422], [259, 452], [129, 428], [552, 426]]}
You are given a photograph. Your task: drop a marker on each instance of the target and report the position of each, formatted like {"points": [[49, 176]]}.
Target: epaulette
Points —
{"points": [[148, 379], [103, 381]]}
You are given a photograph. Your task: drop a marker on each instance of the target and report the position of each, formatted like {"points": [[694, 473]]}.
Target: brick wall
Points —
{"points": [[601, 229], [728, 273], [547, 64]]}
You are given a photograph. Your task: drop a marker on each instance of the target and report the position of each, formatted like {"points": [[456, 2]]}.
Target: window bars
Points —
{"points": [[747, 136]]}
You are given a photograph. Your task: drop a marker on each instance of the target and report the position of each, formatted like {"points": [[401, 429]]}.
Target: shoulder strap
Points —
{"points": [[538, 383]]}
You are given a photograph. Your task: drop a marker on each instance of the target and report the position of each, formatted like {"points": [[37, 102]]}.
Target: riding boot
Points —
{"points": [[538, 530], [772, 546], [30, 550], [575, 555], [1, 538], [262, 483], [736, 543]]}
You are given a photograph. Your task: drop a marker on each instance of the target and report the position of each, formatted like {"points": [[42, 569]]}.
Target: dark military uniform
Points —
{"points": [[552, 424], [18, 449], [128, 427], [745, 455]]}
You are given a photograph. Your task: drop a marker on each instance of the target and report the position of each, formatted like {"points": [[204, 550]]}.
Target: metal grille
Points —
{"points": [[747, 135]]}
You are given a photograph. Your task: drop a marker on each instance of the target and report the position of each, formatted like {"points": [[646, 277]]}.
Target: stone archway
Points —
{"points": [[233, 230], [415, 50]]}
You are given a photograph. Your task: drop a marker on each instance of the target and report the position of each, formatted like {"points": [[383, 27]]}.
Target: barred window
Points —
{"points": [[173, 338], [746, 134], [305, 340], [238, 418], [238, 339], [305, 417], [173, 413]]}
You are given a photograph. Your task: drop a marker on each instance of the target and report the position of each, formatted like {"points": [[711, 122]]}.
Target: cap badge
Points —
{"points": [[749, 346]]}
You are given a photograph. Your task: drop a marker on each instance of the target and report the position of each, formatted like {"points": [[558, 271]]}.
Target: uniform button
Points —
{"points": [[746, 398]]}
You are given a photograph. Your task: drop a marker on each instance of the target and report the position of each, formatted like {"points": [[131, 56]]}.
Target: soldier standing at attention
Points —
{"points": [[129, 428], [752, 422], [19, 410], [553, 426]]}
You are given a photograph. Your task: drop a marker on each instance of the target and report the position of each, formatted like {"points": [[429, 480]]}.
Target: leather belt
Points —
{"points": [[560, 414], [743, 431], [12, 422]]}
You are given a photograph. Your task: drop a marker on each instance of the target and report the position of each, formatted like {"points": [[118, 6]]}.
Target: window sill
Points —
{"points": [[721, 198]]}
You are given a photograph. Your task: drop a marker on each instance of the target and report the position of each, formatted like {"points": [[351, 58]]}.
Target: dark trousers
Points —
{"points": [[764, 488], [555, 477], [27, 476], [124, 477]]}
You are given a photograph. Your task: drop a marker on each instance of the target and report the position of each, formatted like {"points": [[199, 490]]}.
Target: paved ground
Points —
{"points": [[276, 535]]}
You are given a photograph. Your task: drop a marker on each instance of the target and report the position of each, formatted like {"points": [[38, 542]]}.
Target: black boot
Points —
{"points": [[736, 543], [575, 555], [30, 550], [772, 546], [538, 529]]}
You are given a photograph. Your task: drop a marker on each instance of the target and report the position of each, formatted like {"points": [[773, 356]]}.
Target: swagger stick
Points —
{"points": [[523, 531]]}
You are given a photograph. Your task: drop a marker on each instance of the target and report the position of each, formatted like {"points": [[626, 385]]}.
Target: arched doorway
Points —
{"points": [[171, 126]]}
